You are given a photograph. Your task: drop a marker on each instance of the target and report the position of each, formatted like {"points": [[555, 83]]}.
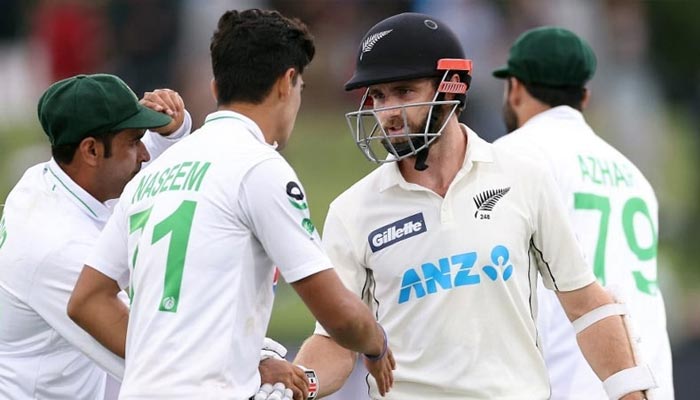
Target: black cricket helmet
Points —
{"points": [[404, 47]]}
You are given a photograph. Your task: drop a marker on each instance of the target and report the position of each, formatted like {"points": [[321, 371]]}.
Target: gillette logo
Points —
{"points": [[396, 232]]}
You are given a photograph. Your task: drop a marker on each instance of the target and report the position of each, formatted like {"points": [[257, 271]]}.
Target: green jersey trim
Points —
{"points": [[71, 192]]}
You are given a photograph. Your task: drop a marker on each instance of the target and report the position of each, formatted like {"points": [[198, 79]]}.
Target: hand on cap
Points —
{"points": [[168, 102]]}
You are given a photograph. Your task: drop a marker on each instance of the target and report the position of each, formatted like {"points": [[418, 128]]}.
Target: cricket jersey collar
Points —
{"points": [[95, 209], [478, 150], [232, 116], [559, 113]]}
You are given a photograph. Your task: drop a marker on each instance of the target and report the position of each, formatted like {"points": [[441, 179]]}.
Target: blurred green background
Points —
{"points": [[645, 99]]}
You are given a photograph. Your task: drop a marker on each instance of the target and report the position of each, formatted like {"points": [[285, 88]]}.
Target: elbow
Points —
{"points": [[579, 302], [343, 329], [74, 308]]}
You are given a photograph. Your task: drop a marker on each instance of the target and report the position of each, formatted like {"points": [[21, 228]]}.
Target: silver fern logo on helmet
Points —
{"points": [[369, 43]]}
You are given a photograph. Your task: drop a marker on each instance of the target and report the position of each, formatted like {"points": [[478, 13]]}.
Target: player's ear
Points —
{"points": [[516, 90], [586, 98], [452, 96], [285, 84], [90, 150], [214, 90]]}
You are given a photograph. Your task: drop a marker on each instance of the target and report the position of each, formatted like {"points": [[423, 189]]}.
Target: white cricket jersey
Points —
{"points": [[49, 225], [453, 279], [196, 236], [614, 213]]}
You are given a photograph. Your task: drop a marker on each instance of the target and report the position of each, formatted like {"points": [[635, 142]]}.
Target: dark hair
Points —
{"points": [[251, 49], [571, 96], [64, 153]]}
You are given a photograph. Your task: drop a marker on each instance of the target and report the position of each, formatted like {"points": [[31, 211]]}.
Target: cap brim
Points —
{"points": [[502, 72], [145, 118]]}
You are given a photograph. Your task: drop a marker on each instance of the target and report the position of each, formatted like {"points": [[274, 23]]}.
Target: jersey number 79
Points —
{"points": [[634, 205]]}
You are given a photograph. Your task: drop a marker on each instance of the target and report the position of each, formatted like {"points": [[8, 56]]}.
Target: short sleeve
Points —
{"points": [[276, 209], [156, 143], [110, 254], [341, 251], [554, 245]]}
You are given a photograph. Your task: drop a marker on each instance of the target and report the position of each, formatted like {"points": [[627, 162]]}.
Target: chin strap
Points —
{"points": [[421, 157]]}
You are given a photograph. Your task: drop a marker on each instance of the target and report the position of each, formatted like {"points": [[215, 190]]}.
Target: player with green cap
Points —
{"points": [[612, 208], [97, 129]]}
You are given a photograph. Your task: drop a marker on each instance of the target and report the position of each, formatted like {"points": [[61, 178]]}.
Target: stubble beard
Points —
{"points": [[510, 118], [400, 142]]}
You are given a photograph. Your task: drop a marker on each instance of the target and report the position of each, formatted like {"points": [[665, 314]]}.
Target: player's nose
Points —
{"points": [[144, 155]]}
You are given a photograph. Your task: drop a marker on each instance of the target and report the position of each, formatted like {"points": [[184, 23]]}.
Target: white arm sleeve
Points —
{"points": [[275, 208], [156, 143], [49, 297]]}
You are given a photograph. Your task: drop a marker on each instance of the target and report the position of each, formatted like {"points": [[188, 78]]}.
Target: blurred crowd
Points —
{"points": [[646, 92]]}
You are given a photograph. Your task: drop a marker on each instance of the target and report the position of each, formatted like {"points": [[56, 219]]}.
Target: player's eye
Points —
{"points": [[376, 96]]}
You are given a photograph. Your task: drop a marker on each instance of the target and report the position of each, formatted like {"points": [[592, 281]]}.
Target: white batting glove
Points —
{"points": [[272, 349], [276, 392]]}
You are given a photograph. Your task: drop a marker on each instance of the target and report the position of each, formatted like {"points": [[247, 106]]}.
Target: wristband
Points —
{"points": [[639, 378], [313, 382], [385, 348]]}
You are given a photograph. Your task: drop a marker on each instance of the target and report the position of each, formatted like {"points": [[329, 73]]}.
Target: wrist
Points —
{"points": [[385, 348], [313, 382], [634, 396]]}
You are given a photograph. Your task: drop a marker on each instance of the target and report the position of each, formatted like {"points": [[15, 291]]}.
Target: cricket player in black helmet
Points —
{"points": [[404, 47], [448, 256]]}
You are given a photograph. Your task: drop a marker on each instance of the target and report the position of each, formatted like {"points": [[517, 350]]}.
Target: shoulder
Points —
{"points": [[519, 160], [361, 192], [529, 140], [47, 227]]}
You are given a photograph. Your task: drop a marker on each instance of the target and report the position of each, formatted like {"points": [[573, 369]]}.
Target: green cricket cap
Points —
{"points": [[87, 105], [550, 56]]}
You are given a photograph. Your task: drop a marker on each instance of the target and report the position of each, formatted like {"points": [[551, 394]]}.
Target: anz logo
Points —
{"points": [[439, 276]]}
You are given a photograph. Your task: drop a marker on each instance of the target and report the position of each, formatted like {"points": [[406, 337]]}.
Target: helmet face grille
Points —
{"points": [[379, 146]]}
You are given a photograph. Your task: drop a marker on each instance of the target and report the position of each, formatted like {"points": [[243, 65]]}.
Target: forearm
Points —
{"points": [[360, 333], [606, 347], [343, 315], [605, 341], [105, 318], [96, 307], [332, 363]]}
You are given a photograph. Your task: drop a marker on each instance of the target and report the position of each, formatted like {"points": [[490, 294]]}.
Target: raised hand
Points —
{"points": [[168, 102]]}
